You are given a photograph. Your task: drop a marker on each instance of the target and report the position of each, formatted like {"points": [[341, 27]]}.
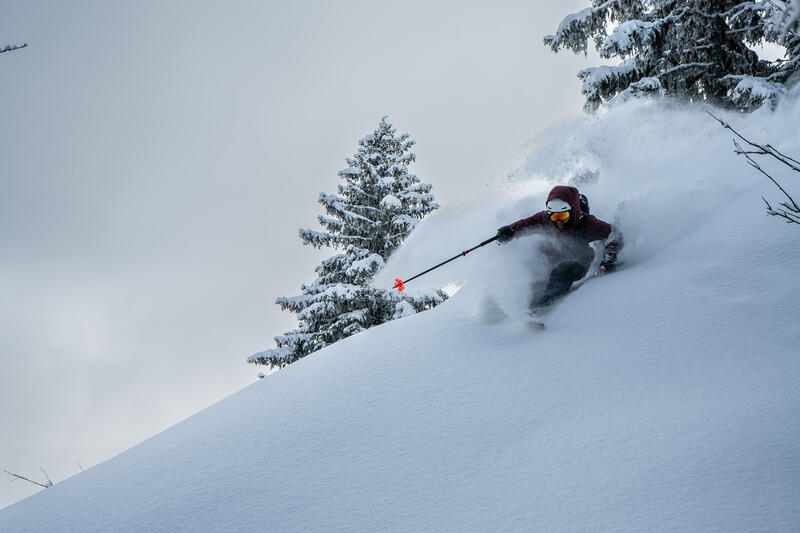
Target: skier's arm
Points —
{"points": [[525, 225], [532, 223]]}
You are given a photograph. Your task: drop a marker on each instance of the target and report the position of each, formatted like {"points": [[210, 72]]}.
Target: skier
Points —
{"points": [[572, 229]]}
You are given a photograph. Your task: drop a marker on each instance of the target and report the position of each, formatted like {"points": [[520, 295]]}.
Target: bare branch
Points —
{"points": [[786, 156], [753, 163], [763, 149], [49, 483], [788, 210], [12, 47], [791, 218], [47, 486]]}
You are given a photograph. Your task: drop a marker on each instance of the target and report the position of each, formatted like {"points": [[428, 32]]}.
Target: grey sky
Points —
{"points": [[156, 160]]}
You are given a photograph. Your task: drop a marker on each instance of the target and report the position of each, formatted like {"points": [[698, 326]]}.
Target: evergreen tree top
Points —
{"points": [[376, 205], [691, 49], [378, 201]]}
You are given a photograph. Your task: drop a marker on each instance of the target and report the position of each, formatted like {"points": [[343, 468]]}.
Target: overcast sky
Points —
{"points": [[157, 159]]}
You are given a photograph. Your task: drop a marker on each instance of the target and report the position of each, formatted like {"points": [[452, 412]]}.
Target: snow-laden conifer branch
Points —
{"points": [[789, 19], [698, 50], [684, 66]]}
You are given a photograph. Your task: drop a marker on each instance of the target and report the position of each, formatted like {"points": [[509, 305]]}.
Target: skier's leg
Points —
{"points": [[561, 279]]}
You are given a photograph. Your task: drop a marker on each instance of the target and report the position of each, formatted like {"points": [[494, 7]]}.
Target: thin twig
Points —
{"points": [[50, 483], [784, 155], [789, 210], [765, 149], [12, 47], [791, 218], [753, 163]]}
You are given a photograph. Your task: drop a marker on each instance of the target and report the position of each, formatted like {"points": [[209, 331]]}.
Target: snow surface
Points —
{"points": [[660, 397]]}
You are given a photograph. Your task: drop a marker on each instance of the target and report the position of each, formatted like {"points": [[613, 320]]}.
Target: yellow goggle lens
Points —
{"points": [[559, 217]]}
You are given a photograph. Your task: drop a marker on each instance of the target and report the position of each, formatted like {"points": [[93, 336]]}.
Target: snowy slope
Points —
{"points": [[661, 397]]}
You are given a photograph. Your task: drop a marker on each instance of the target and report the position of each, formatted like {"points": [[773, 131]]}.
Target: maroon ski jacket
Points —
{"points": [[581, 229]]}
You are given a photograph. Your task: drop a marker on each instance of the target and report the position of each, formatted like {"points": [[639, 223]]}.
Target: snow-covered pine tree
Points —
{"points": [[781, 21], [690, 49], [377, 205]]}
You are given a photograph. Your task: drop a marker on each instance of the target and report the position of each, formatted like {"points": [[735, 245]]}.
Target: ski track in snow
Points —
{"points": [[660, 397]]}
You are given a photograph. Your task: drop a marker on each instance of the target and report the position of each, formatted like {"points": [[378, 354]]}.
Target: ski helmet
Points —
{"points": [[557, 205]]}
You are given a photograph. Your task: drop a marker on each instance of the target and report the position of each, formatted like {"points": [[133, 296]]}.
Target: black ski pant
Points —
{"points": [[561, 279]]}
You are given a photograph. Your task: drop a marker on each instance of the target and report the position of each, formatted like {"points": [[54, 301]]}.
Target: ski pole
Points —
{"points": [[400, 284]]}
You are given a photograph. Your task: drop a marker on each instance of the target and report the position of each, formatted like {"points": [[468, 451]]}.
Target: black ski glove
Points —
{"points": [[505, 234], [609, 262]]}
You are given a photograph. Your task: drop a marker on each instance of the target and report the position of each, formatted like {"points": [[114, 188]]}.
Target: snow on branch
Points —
{"points": [[788, 209], [752, 91], [791, 15], [626, 37], [643, 88], [575, 29], [603, 81], [698, 51]]}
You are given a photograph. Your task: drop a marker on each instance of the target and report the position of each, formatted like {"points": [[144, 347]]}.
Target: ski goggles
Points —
{"points": [[560, 216]]}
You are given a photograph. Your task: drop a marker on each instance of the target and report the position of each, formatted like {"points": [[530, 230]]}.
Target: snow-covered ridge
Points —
{"points": [[661, 397]]}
